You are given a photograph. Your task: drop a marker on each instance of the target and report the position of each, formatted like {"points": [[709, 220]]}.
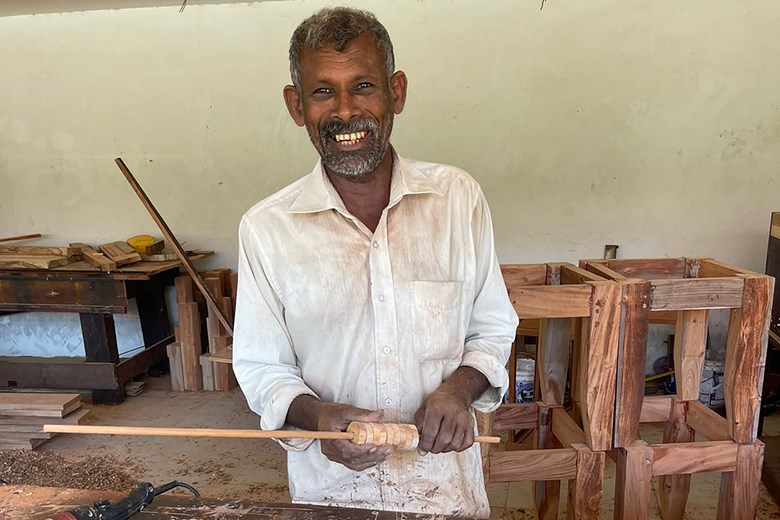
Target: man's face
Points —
{"points": [[347, 105]]}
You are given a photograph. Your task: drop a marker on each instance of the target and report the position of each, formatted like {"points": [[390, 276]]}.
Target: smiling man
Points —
{"points": [[370, 291]]}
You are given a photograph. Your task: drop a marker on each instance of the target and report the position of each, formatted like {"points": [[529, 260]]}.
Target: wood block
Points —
{"points": [[207, 372], [94, 258], [690, 340], [517, 416], [707, 423], [223, 356], [74, 417], [224, 379], [174, 360], [14, 401], [120, 252], [155, 247], [163, 256], [565, 429], [213, 325], [17, 261], [184, 289], [70, 252], [189, 330], [586, 489], [633, 481]]}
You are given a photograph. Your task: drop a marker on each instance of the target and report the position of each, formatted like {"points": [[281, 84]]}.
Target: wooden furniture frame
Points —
{"points": [[691, 287], [96, 296], [556, 293]]}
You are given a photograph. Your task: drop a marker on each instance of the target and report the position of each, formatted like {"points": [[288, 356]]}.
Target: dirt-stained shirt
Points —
{"points": [[377, 320]]}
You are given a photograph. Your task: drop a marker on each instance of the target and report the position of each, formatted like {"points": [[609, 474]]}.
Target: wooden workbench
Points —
{"points": [[96, 296], [37, 503]]}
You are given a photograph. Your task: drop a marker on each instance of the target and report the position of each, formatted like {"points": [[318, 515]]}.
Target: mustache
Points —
{"points": [[347, 127]]}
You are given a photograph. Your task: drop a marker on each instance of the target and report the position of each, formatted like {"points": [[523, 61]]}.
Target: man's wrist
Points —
{"points": [[466, 384], [304, 412]]}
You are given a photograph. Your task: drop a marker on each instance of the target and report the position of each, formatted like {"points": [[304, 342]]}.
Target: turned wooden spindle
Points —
{"points": [[405, 436]]}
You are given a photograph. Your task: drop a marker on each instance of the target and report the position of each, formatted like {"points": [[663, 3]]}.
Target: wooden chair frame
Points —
{"points": [[691, 287], [556, 293]]}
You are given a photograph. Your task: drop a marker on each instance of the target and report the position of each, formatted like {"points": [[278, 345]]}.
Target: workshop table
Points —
{"points": [[39, 503], [96, 296]]}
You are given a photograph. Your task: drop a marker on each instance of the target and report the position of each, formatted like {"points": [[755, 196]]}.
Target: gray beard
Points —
{"points": [[358, 164]]}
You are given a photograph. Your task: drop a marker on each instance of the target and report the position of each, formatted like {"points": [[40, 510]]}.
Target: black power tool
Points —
{"points": [[125, 508]]}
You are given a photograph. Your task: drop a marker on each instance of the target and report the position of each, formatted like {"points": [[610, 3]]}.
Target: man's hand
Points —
{"points": [[312, 414], [444, 419]]}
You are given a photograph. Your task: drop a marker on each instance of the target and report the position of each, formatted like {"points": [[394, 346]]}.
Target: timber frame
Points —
{"points": [[569, 446], [690, 287]]}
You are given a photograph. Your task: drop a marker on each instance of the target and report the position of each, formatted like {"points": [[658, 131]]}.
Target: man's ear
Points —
{"points": [[398, 88], [292, 98]]}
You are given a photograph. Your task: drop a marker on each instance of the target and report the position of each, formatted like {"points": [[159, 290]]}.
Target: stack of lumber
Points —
{"points": [[134, 388], [22, 416], [200, 358]]}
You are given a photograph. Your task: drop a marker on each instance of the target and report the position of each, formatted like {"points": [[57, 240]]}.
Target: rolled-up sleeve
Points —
{"points": [[493, 322], [263, 357]]}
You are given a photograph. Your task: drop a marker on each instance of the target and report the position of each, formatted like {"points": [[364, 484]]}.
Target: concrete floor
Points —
{"points": [[256, 469]]}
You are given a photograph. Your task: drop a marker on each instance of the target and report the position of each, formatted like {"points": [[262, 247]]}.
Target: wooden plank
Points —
{"points": [[710, 268], [738, 498], [94, 258], [632, 357], [648, 268], [697, 293], [36, 401], [174, 361], [552, 359], [546, 493], [571, 274], [224, 379], [222, 356], [234, 289], [565, 429], [207, 371], [707, 423], [155, 247], [746, 345], [690, 342], [682, 459], [40, 250], [120, 252], [656, 409], [20, 237], [561, 301], [18, 261], [30, 372], [485, 427], [213, 326], [189, 329], [675, 482], [162, 256], [599, 268], [581, 341], [586, 489], [514, 466], [183, 285], [523, 275], [74, 417], [598, 366], [518, 416], [633, 481], [42, 413]]}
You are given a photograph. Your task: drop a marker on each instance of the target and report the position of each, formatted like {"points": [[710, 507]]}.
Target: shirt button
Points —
{"points": [[382, 297], [386, 349], [388, 402], [376, 244]]}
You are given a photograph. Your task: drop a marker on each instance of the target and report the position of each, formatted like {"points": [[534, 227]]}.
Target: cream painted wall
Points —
{"points": [[652, 125]]}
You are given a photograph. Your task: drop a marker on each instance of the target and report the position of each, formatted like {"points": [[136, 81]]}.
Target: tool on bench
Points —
{"points": [[124, 508], [404, 436]]}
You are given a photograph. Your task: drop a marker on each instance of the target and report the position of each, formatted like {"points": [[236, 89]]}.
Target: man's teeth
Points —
{"points": [[350, 138]]}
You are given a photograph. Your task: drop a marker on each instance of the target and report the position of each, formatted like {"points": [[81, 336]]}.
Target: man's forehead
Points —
{"points": [[361, 49]]}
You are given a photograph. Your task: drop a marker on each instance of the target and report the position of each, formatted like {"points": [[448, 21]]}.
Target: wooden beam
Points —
{"points": [[552, 359], [516, 416], [21, 261], [709, 268], [632, 356], [189, 330], [513, 466], [746, 346], [20, 237], [690, 341], [680, 459], [565, 429], [655, 409], [697, 293], [571, 274], [598, 366], [561, 301], [633, 481], [29, 372], [586, 489], [706, 422], [599, 268], [738, 497], [485, 427], [522, 275], [546, 493], [648, 268]]}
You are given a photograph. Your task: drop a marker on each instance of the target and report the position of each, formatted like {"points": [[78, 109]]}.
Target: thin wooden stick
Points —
{"points": [[168, 234], [212, 432], [21, 237]]}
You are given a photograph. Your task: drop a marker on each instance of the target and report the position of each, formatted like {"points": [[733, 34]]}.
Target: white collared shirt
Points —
{"points": [[376, 320]]}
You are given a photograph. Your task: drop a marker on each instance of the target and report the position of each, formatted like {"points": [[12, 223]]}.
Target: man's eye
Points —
{"points": [[364, 85], [321, 92]]}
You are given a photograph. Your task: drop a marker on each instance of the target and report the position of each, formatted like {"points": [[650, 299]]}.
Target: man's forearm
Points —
{"points": [[304, 412], [466, 384]]}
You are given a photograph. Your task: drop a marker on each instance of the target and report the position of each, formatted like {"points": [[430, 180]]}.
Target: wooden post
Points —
{"points": [[585, 490], [546, 493], [189, 330], [485, 427], [739, 489], [746, 357], [581, 338], [598, 364], [673, 489], [690, 341], [174, 360], [552, 359], [633, 481]]}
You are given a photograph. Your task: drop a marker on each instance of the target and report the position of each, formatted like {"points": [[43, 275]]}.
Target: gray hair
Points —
{"points": [[337, 26]]}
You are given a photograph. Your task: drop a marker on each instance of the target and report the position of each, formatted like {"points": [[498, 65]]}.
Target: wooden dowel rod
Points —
{"points": [[20, 237], [212, 432], [168, 234]]}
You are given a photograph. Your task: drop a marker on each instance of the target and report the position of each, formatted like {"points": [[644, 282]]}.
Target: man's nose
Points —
{"points": [[345, 108]]}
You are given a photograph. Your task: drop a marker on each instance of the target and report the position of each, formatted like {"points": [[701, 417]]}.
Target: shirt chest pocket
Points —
{"points": [[437, 327]]}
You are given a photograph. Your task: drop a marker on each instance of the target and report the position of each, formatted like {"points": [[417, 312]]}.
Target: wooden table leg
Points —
{"points": [[546, 493], [633, 481], [586, 489], [673, 489], [100, 345], [739, 489]]}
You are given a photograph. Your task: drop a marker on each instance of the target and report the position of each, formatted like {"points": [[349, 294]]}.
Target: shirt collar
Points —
{"points": [[318, 194]]}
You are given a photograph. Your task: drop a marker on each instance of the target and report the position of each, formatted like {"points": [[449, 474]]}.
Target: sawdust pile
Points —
{"points": [[33, 468]]}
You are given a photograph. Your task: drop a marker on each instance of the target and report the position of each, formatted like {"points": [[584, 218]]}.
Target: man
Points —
{"points": [[370, 291]]}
